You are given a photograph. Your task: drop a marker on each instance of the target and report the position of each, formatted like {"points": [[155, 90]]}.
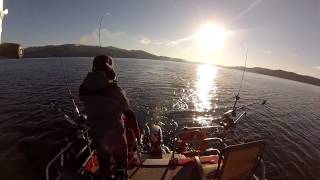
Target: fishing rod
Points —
{"points": [[99, 35], [226, 121], [71, 96], [75, 111], [80, 119], [242, 78], [99, 40]]}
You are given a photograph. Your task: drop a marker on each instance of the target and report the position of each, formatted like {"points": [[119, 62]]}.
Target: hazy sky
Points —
{"points": [[278, 34]]}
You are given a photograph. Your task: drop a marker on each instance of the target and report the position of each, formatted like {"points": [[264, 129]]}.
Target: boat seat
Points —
{"points": [[186, 168], [240, 161], [157, 171], [155, 162], [212, 159]]}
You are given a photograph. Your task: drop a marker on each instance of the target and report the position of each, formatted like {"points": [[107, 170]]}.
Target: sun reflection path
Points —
{"points": [[205, 87], [205, 91], [200, 95]]}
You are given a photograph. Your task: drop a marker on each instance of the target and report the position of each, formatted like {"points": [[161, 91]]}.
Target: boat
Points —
{"points": [[196, 154]]}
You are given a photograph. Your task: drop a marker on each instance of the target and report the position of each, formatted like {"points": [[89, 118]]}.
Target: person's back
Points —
{"points": [[104, 103]]}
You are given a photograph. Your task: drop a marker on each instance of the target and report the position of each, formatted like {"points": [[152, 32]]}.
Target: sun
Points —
{"points": [[212, 36]]}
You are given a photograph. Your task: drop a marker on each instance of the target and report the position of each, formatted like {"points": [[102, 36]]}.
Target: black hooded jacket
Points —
{"points": [[104, 102]]}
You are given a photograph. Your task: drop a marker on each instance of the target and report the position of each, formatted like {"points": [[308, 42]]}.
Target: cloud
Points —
{"points": [[178, 41], [125, 40], [89, 38], [267, 52], [145, 41], [166, 47], [246, 10], [105, 35], [293, 55], [159, 43]]}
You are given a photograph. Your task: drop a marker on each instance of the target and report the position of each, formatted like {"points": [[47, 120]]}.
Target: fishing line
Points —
{"points": [[69, 90], [99, 39], [242, 78], [244, 70], [77, 112], [99, 33], [65, 77], [45, 108]]}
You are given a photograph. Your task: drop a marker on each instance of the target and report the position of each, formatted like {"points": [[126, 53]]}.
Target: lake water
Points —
{"points": [[159, 92]]}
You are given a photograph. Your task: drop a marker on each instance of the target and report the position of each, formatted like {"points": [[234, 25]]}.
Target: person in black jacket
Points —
{"points": [[105, 102]]}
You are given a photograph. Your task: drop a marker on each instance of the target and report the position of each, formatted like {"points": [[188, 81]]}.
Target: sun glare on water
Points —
{"points": [[205, 92], [205, 87], [212, 36]]}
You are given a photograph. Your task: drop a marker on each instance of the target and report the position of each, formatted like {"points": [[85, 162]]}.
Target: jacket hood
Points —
{"points": [[95, 80]]}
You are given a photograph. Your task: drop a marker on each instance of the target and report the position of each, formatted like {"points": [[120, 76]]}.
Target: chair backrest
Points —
{"points": [[240, 161]]}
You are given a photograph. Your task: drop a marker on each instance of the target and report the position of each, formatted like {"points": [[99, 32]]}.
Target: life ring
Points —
{"points": [[195, 135]]}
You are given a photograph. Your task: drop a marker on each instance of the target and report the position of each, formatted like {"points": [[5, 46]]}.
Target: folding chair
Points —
{"points": [[237, 162]]}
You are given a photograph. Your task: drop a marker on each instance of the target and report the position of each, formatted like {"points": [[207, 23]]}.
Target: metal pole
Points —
{"points": [[2, 14]]}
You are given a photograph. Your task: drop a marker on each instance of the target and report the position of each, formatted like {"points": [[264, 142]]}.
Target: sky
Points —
{"points": [[275, 34]]}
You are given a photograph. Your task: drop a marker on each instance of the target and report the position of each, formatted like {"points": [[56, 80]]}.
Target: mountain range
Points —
{"points": [[73, 50]]}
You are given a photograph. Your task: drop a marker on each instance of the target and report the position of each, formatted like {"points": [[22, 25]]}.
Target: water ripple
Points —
{"points": [[159, 92]]}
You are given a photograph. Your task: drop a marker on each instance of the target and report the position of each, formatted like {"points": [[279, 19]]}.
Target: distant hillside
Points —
{"points": [[72, 50], [282, 74]]}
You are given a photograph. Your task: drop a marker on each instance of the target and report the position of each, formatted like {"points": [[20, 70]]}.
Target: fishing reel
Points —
{"points": [[81, 121], [228, 119]]}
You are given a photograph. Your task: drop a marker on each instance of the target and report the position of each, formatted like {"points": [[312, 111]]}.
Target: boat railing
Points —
{"points": [[58, 160], [136, 143], [262, 167], [73, 155]]}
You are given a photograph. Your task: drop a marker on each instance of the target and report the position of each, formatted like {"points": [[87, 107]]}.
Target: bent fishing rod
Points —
{"points": [[237, 97]]}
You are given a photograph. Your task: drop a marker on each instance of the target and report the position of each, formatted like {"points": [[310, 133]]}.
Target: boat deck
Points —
{"points": [[185, 169]]}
